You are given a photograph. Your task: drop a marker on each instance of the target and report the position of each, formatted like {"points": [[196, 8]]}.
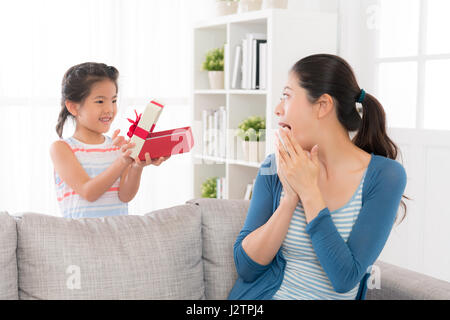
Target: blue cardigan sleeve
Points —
{"points": [[259, 212], [346, 262]]}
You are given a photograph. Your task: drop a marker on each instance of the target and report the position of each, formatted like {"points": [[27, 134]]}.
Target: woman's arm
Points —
{"points": [[263, 244], [345, 263], [259, 213]]}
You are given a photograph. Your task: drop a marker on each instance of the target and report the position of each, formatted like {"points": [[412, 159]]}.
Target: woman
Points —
{"points": [[323, 206]]}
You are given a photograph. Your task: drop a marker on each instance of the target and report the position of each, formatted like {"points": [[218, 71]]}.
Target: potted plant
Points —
{"points": [[274, 4], [249, 5], [214, 63], [226, 7], [252, 132], [209, 188]]}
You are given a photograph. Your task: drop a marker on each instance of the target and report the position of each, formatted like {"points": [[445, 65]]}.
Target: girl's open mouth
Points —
{"points": [[105, 120]]}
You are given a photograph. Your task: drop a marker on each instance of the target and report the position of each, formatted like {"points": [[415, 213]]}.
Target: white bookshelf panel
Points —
{"points": [[204, 170], [239, 177], [206, 39], [240, 108]]}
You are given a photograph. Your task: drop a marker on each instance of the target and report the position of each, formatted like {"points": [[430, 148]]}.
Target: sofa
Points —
{"points": [[184, 252]]}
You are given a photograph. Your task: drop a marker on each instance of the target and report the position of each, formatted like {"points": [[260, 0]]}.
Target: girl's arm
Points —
{"points": [[131, 178], [129, 183], [70, 170], [345, 263]]}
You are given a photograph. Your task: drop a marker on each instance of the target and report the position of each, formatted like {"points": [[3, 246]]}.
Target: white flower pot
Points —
{"points": [[254, 151], [249, 5], [274, 4], [216, 81], [224, 8]]}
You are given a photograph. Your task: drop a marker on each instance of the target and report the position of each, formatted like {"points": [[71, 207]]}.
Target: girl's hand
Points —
{"points": [[126, 150], [148, 161], [300, 168], [118, 141]]}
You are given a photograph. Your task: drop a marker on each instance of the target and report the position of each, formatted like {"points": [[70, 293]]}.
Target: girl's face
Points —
{"points": [[297, 113], [100, 108]]}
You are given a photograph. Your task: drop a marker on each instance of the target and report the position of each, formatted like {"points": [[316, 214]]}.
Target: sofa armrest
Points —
{"points": [[402, 284]]}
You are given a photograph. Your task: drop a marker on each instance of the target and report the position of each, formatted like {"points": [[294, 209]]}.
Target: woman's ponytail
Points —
{"points": [[329, 74], [371, 135]]}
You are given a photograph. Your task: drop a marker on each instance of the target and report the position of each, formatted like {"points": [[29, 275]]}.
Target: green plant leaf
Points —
{"points": [[214, 60], [209, 188], [252, 129]]}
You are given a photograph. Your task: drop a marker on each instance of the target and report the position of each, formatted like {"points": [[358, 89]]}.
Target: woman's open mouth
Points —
{"points": [[284, 125]]}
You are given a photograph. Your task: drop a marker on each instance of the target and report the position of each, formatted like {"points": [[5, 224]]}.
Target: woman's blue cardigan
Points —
{"points": [[345, 263]]}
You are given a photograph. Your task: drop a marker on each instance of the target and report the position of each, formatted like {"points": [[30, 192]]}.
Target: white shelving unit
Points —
{"points": [[290, 37]]}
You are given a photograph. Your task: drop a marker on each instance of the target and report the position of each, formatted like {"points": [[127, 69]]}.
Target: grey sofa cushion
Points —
{"points": [[222, 220], [402, 284], [157, 256], [8, 260]]}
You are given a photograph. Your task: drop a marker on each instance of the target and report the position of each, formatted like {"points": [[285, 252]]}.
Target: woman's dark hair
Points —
{"points": [[329, 74], [77, 83]]}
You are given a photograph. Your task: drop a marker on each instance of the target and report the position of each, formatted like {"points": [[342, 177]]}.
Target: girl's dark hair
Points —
{"points": [[329, 74], [77, 83]]}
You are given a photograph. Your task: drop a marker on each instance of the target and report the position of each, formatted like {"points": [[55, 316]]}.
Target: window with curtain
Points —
{"points": [[147, 41]]}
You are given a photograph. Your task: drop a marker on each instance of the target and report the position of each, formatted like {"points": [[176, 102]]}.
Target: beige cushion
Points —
{"points": [[157, 256], [8, 261], [222, 220]]}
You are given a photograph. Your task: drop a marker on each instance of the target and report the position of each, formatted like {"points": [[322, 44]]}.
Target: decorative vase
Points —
{"points": [[216, 81], [249, 5], [274, 4], [224, 7], [254, 151]]}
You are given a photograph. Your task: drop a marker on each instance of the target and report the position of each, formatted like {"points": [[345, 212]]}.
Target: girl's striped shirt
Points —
{"points": [[94, 158], [304, 277]]}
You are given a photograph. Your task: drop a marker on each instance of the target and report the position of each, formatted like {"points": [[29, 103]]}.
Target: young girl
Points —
{"points": [[94, 174]]}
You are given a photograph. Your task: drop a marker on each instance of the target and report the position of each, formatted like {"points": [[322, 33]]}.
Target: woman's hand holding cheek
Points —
{"points": [[301, 171], [289, 193]]}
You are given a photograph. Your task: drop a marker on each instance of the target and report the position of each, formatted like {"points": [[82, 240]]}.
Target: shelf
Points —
{"points": [[237, 91], [208, 91], [246, 17], [219, 160]]}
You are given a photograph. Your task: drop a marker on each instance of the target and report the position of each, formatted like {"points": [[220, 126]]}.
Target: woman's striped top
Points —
{"points": [[94, 158], [304, 277]]}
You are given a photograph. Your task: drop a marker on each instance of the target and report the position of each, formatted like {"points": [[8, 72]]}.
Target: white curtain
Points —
{"points": [[147, 41]]}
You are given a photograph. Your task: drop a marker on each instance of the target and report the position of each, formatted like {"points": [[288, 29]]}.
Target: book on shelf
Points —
{"points": [[263, 66], [226, 60], [251, 69], [214, 132], [237, 71], [220, 188], [249, 190]]}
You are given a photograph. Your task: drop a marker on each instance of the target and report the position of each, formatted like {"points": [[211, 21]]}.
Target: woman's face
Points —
{"points": [[297, 113], [100, 107]]}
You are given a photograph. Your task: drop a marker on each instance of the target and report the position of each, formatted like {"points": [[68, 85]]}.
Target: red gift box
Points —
{"points": [[157, 144]]}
